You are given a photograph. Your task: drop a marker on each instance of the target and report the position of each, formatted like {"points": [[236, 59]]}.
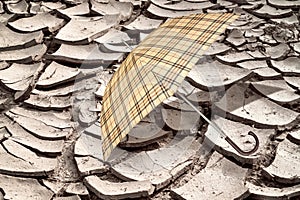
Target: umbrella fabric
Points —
{"points": [[154, 70]]}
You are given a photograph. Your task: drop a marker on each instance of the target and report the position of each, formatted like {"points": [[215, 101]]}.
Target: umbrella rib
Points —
{"points": [[127, 44]]}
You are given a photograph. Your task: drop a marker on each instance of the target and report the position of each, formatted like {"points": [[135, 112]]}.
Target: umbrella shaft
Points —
{"points": [[214, 125]]}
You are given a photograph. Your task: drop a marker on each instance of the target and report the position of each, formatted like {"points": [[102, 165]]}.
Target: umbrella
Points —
{"points": [[154, 70]]}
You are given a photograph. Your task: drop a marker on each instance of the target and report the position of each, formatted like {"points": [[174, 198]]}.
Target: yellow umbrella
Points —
{"points": [[153, 71]]}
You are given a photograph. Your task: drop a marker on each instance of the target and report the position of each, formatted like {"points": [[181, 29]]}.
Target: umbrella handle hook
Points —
{"points": [[239, 150], [216, 127]]}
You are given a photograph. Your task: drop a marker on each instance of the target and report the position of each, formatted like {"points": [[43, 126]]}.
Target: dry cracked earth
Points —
{"points": [[56, 58]]}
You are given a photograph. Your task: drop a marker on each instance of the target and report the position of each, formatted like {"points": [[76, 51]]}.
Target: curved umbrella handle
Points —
{"points": [[216, 127], [238, 149]]}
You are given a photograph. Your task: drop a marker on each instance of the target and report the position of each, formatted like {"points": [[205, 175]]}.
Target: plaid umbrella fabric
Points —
{"points": [[153, 71]]}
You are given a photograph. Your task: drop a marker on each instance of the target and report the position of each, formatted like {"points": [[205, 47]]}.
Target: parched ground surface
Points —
{"points": [[56, 59]]}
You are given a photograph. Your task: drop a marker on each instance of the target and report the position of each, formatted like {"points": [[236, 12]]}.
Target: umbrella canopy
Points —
{"points": [[153, 71]]}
